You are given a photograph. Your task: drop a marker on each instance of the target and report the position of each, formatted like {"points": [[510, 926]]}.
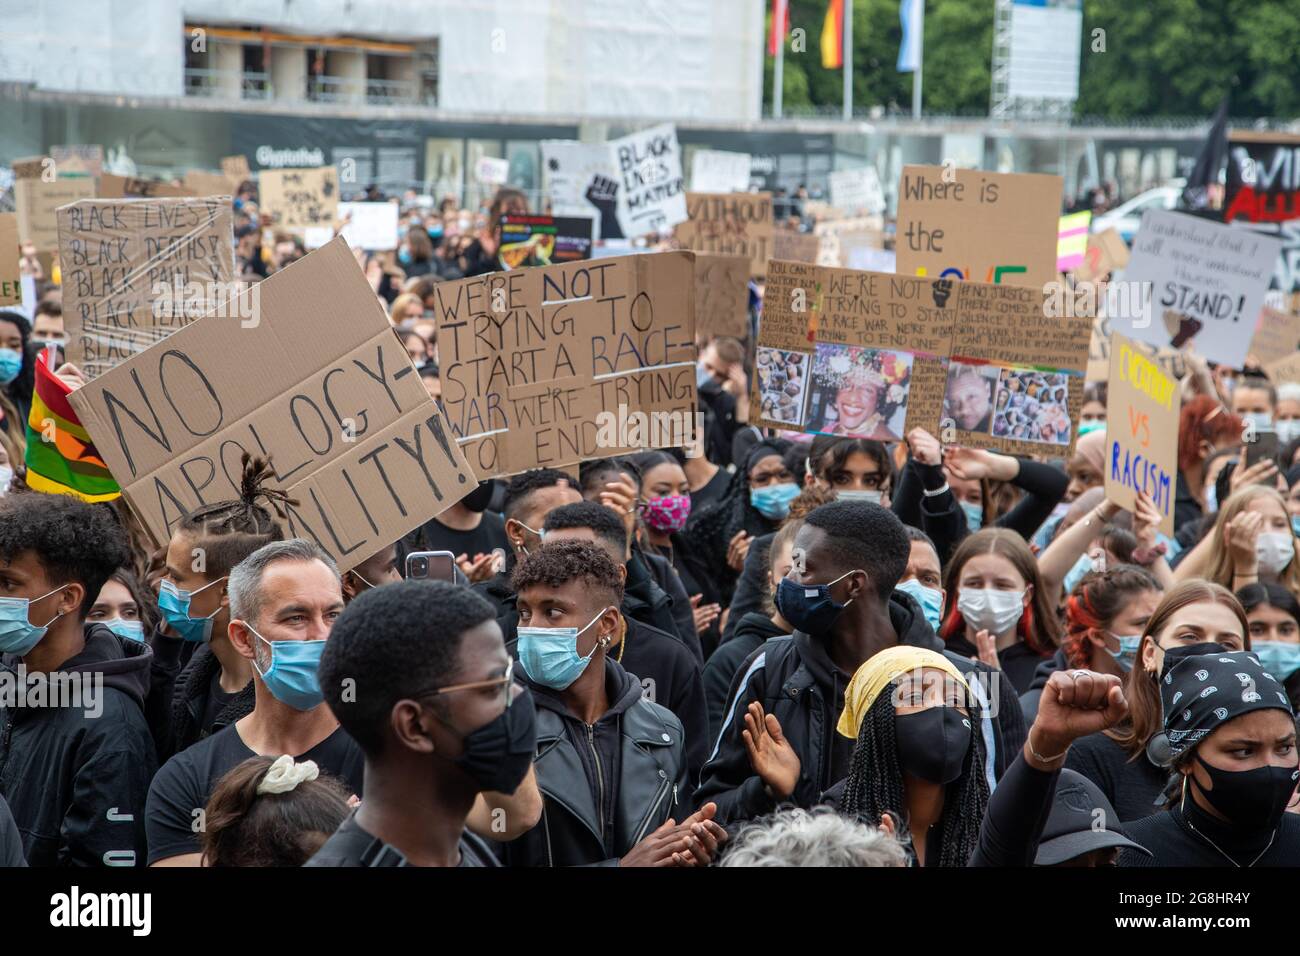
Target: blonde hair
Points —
{"points": [[1220, 565], [403, 302]]}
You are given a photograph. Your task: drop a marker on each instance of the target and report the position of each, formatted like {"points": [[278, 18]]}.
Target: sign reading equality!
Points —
{"points": [[317, 380], [549, 366], [1141, 431], [971, 224]]}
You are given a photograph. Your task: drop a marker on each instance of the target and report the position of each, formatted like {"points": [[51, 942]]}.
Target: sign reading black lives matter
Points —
{"points": [[316, 379], [551, 366]]}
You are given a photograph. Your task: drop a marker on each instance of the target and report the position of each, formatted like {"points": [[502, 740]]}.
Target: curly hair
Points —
{"points": [[245, 828], [816, 837], [72, 540], [875, 784], [229, 531], [1097, 599], [555, 565]]}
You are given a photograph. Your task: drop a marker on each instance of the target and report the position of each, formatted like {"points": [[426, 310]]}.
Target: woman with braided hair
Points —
{"points": [[200, 682], [918, 754]]}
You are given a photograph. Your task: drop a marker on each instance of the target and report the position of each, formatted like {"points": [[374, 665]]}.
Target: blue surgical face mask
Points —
{"points": [[773, 501], [1128, 650], [549, 655], [18, 634], [809, 607], [974, 515], [131, 630], [930, 599], [874, 496], [175, 606], [1086, 428], [11, 363], [1080, 568], [704, 377], [1279, 658], [1295, 524], [292, 677], [1288, 430], [1262, 421]]}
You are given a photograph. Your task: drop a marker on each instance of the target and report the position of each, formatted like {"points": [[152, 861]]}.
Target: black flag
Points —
{"points": [[1205, 174]]}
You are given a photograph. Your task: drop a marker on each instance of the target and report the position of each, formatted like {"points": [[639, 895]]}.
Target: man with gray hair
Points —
{"points": [[284, 599], [820, 837]]}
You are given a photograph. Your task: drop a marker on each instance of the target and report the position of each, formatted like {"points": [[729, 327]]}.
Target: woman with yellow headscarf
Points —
{"points": [[918, 753]]}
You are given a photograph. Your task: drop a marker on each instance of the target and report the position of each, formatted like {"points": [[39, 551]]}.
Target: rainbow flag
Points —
{"points": [[833, 36], [61, 460]]}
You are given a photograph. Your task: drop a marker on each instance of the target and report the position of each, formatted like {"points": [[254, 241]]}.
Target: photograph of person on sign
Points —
{"points": [[860, 393], [968, 399]]}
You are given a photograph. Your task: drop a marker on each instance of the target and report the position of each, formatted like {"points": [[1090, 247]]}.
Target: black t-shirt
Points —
{"points": [[1131, 786], [352, 846], [187, 780], [486, 538], [712, 491], [215, 702]]}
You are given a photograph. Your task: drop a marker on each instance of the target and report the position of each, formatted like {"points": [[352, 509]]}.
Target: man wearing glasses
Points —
{"points": [[418, 675]]}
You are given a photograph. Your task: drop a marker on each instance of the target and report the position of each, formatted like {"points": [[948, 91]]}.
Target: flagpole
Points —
{"points": [[919, 26], [778, 72], [848, 59]]}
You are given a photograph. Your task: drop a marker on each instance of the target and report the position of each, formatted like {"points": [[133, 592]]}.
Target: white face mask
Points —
{"points": [[1274, 551], [1288, 430], [988, 610]]}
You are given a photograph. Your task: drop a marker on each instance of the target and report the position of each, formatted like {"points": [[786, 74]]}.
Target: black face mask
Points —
{"points": [[497, 755], [1254, 798], [477, 500], [932, 743]]}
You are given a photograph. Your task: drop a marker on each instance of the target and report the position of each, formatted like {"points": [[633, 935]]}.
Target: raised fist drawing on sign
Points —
{"points": [[603, 193]]}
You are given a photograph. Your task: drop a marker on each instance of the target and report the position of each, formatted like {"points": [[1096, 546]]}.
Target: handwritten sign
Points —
{"points": [[79, 160], [970, 224], [130, 187], [1277, 336], [857, 190], [317, 380], [11, 287], [1105, 252], [236, 169], [733, 224], [370, 225], [721, 295], [1171, 362], [532, 357], [137, 270], [1141, 431], [203, 183], [299, 198], [36, 201], [1207, 280], [715, 171], [795, 246]]}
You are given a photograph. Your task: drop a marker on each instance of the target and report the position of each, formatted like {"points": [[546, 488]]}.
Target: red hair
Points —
{"points": [[1009, 545], [1204, 419]]}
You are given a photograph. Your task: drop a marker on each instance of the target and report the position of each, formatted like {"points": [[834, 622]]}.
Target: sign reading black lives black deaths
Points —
{"points": [[552, 366], [316, 379]]}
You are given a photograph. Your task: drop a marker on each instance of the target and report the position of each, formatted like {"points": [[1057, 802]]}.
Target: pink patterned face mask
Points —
{"points": [[667, 514]]}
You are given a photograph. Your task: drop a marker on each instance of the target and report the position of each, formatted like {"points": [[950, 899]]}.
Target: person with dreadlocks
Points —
{"points": [[777, 743], [1104, 618], [918, 754], [200, 682]]}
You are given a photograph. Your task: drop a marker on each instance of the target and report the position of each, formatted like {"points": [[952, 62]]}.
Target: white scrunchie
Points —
{"points": [[284, 775]]}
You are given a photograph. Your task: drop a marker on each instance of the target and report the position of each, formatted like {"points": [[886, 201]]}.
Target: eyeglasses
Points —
{"points": [[505, 683]]}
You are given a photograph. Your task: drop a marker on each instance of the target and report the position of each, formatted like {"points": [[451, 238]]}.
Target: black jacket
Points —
{"points": [[604, 786], [76, 777], [753, 630], [1046, 668], [653, 594], [795, 679], [190, 700], [662, 659], [720, 423], [752, 587]]}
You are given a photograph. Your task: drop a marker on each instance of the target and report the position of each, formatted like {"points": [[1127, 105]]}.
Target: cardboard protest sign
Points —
{"points": [[1207, 280], [1072, 240], [372, 226], [632, 186], [555, 365], [1142, 408], [795, 246], [857, 190], [1170, 361], [850, 353], [236, 168], [202, 183], [738, 224], [129, 187], [11, 276], [715, 171], [85, 160], [11, 288], [36, 201], [35, 167], [1284, 369], [841, 237], [1277, 336], [137, 270], [1104, 253], [299, 198], [544, 240], [317, 380], [721, 295], [1262, 192], [971, 224]]}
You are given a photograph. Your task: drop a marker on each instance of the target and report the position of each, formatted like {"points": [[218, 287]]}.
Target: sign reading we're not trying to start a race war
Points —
{"points": [[549, 366]]}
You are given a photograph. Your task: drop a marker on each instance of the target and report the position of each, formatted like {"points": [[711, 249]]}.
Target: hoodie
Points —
{"points": [[604, 785], [76, 777], [754, 628], [795, 679]]}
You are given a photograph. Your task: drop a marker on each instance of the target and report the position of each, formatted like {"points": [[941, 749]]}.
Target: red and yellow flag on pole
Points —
{"points": [[833, 36]]}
